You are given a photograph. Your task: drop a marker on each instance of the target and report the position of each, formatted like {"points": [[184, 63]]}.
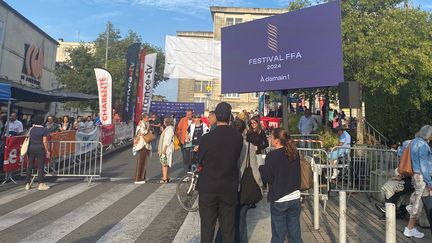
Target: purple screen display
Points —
{"points": [[299, 49]]}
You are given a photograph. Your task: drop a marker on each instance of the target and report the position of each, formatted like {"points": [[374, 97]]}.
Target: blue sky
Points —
{"points": [[83, 20]]}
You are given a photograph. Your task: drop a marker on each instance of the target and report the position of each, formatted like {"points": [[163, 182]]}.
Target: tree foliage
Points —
{"points": [[77, 73]]}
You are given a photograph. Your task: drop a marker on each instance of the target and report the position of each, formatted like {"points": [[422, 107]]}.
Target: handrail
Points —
{"points": [[381, 138]]}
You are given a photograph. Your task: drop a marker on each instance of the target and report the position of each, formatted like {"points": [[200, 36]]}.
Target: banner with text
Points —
{"points": [[92, 135], [298, 49], [140, 90], [131, 62], [104, 83], [108, 134], [149, 72], [178, 109]]}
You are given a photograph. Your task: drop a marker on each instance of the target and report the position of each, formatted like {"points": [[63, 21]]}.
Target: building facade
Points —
{"points": [[209, 91], [64, 47], [27, 57]]}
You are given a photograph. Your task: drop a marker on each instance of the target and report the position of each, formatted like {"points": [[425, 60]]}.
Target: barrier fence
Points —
{"points": [[73, 153]]}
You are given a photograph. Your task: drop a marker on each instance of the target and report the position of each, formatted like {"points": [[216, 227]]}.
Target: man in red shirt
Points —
{"points": [[181, 132]]}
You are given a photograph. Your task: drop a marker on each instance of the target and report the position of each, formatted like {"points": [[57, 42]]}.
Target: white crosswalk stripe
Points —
{"points": [[71, 221], [189, 231], [132, 226], [34, 208], [19, 193]]}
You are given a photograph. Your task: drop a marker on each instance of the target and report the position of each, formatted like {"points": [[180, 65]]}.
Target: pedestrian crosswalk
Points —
{"points": [[77, 209]]}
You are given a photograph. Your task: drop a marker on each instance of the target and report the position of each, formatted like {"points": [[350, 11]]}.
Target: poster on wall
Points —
{"points": [[298, 49]]}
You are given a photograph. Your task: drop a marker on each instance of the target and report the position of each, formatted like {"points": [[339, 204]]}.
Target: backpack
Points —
{"points": [[176, 142]]}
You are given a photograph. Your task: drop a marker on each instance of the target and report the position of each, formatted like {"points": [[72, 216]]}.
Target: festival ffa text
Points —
{"points": [[274, 62]]}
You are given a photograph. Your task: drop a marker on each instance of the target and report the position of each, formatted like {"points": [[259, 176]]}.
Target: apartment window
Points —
{"points": [[232, 95], [202, 86], [233, 21]]}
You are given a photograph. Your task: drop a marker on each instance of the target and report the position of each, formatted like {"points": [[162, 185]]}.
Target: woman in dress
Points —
{"points": [[282, 172], [142, 148], [38, 149], [166, 148]]}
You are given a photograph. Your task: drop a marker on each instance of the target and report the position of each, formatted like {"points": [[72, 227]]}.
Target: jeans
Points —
{"points": [[285, 221], [36, 153]]}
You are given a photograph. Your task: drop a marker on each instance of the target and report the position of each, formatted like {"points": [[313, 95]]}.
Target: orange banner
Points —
{"points": [[63, 149]]}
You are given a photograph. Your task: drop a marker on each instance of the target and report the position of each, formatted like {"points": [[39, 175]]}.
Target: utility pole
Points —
{"points": [[106, 49]]}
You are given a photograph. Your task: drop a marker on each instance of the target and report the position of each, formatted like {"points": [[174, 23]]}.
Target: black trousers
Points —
{"points": [[33, 154], [221, 207]]}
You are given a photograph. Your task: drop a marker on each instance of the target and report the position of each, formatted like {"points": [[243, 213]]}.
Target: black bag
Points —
{"points": [[427, 203], [250, 192]]}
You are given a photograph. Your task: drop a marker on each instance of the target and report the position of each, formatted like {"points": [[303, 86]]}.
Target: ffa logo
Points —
{"points": [[272, 37], [33, 61]]}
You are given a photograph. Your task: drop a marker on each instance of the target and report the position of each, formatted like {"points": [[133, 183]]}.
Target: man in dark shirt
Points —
{"points": [[219, 151]]}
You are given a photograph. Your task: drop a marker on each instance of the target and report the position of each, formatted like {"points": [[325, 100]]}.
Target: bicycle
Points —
{"points": [[187, 195]]}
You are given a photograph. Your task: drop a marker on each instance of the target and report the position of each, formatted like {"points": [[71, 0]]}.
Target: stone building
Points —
{"points": [[209, 91]]}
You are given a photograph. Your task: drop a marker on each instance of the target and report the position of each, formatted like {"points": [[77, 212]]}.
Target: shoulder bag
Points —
{"points": [[405, 164], [306, 175], [26, 144], [250, 192]]}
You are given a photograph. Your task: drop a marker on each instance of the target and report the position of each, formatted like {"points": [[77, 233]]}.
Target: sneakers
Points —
{"points": [[140, 182], [43, 187], [413, 233], [27, 187]]}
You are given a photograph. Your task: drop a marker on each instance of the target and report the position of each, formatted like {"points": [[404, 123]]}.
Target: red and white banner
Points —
{"points": [[149, 72], [108, 134], [271, 122], [12, 157], [140, 91], [104, 83]]}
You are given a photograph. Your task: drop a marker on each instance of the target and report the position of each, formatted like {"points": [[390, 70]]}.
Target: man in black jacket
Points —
{"points": [[219, 151]]}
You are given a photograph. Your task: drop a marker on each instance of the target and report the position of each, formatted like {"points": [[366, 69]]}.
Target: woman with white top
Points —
{"points": [[282, 172], [166, 148]]}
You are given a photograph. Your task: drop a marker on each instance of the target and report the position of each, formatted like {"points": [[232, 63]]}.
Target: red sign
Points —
{"points": [[270, 122], [108, 135], [12, 158]]}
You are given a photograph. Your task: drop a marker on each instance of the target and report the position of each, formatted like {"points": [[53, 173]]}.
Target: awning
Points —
{"points": [[23, 93], [5, 92]]}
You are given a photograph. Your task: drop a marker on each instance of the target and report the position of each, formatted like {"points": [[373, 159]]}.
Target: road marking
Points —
{"points": [[190, 229], [71, 221], [132, 226], [19, 193], [34, 208]]}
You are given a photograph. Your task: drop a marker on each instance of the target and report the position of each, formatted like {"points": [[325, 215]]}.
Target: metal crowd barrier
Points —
{"points": [[73, 159], [362, 169]]}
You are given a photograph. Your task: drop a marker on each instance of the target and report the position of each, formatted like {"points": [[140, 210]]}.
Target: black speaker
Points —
{"points": [[349, 95]]}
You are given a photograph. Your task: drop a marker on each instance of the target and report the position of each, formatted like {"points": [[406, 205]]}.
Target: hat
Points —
{"points": [[223, 112]]}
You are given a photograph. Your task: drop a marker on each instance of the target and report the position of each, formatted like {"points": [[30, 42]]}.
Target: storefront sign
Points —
{"points": [[299, 49], [33, 64]]}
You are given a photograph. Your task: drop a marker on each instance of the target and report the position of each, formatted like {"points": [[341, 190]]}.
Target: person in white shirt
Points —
{"points": [[307, 124], [345, 142], [15, 127]]}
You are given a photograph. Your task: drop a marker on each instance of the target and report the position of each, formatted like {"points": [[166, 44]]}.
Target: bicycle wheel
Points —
{"points": [[188, 201]]}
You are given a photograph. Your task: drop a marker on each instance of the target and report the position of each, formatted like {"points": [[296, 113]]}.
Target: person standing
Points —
{"points": [[186, 146], [421, 157], [15, 127], [66, 125], [257, 137], [51, 125], [166, 148], [282, 171], [307, 124], [155, 126], [212, 120], [142, 148], [195, 132], [218, 182], [38, 150]]}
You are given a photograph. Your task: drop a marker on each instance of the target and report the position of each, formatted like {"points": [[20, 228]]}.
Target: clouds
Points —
{"points": [[101, 16]]}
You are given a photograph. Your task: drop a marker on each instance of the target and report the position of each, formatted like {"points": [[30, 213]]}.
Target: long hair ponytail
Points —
{"points": [[290, 146]]}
